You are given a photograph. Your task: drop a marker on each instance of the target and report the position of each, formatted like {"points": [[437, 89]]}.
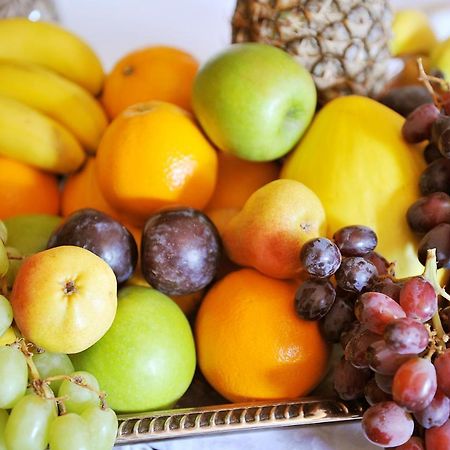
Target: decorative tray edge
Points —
{"points": [[175, 423]]}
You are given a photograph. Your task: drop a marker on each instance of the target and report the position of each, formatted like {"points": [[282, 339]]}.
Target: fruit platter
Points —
{"points": [[257, 240]]}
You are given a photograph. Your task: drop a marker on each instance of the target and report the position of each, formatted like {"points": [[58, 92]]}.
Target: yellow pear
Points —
{"points": [[354, 158]]}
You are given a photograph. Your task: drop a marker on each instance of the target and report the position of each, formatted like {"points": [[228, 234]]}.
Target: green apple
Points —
{"points": [[254, 101], [146, 360]]}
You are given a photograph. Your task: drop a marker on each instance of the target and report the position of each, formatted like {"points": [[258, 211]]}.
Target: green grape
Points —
{"points": [[50, 364], [3, 232], [13, 376], [4, 261], [6, 314], [102, 425], [14, 265], [79, 397], [69, 432], [29, 423], [3, 420]]}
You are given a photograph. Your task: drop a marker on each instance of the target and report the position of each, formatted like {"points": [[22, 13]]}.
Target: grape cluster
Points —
{"points": [[43, 402], [393, 336], [430, 215]]}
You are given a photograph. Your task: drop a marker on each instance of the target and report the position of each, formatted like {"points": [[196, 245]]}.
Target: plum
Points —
{"points": [[180, 251], [102, 235]]}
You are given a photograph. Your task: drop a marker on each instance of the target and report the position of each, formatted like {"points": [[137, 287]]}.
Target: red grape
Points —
{"points": [[438, 238], [418, 299], [436, 177], [314, 298], [383, 360], [374, 394], [414, 443], [440, 134], [354, 328], [375, 310], [355, 240], [356, 349], [405, 99], [438, 438], [337, 319], [355, 274], [384, 382], [320, 257], [417, 126], [415, 384], [429, 211], [380, 263], [431, 153], [436, 413], [388, 287], [387, 424], [442, 365], [349, 382], [406, 336]]}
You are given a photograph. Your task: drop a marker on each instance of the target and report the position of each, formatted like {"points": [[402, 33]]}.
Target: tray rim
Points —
{"points": [[223, 418]]}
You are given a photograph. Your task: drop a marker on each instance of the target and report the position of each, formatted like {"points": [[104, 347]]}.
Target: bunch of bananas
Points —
{"points": [[49, 116]]}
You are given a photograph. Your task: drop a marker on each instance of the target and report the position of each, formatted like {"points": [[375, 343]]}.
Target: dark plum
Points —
{"points": [[405, 99], [102, 235], [429, 211], [438, 238], [436, 177], [180, 251], [355, 240], [320, 257]]}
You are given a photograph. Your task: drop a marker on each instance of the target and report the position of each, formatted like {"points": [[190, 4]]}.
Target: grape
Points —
{"points": [[436, 177], [405, 99], [440, 134], [352, 331], [102, 425], [431, 153], [314, 298], [6, 314], [418, 299], [380, 263], [79, 397], [355, 240], [3, 420], [438, 438], [349, 382], [386, 424], [374, 394], [414, 443], [384, 382], [29, 423], [415, 384], [13, 376], [442, 366], [383, 360], [387, 287], [429, 211], [375, 310], [417, 126], [3, 232], [356, 349], [4, 261], [438, 238], [355, 274], [50, 364], [338, 318], [69, 432], [320, 257], [406, 335], [444, 313], [436, 413]]}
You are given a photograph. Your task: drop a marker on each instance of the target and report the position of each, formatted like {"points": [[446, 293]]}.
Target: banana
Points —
{"points": [[440, 58], [54, 95], [33, 138], [412, 33], [53, 47]]}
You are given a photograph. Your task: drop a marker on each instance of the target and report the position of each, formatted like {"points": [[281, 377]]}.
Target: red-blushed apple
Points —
{"points": [[254, 101], [64, 299]]}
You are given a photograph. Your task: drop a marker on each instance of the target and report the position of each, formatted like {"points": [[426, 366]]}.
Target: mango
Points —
{"points": [[354, 158], [269, 231]]}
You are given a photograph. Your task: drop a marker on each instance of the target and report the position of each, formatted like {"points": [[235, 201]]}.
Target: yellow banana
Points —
{"points": [[59, 98], [412, 33], [33, 138], [53, 47], [440, 58]]}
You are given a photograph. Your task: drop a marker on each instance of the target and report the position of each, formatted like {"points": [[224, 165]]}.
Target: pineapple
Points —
{"points": [[343, 43]]}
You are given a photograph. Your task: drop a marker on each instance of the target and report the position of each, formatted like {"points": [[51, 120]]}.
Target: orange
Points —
{"points": [[26, 190], [81, 190], [237, 179], [153, 155], [154, 73], [252, 345]]}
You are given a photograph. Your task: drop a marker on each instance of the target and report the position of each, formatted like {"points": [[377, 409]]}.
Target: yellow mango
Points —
{"points": [[354, 158]]}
